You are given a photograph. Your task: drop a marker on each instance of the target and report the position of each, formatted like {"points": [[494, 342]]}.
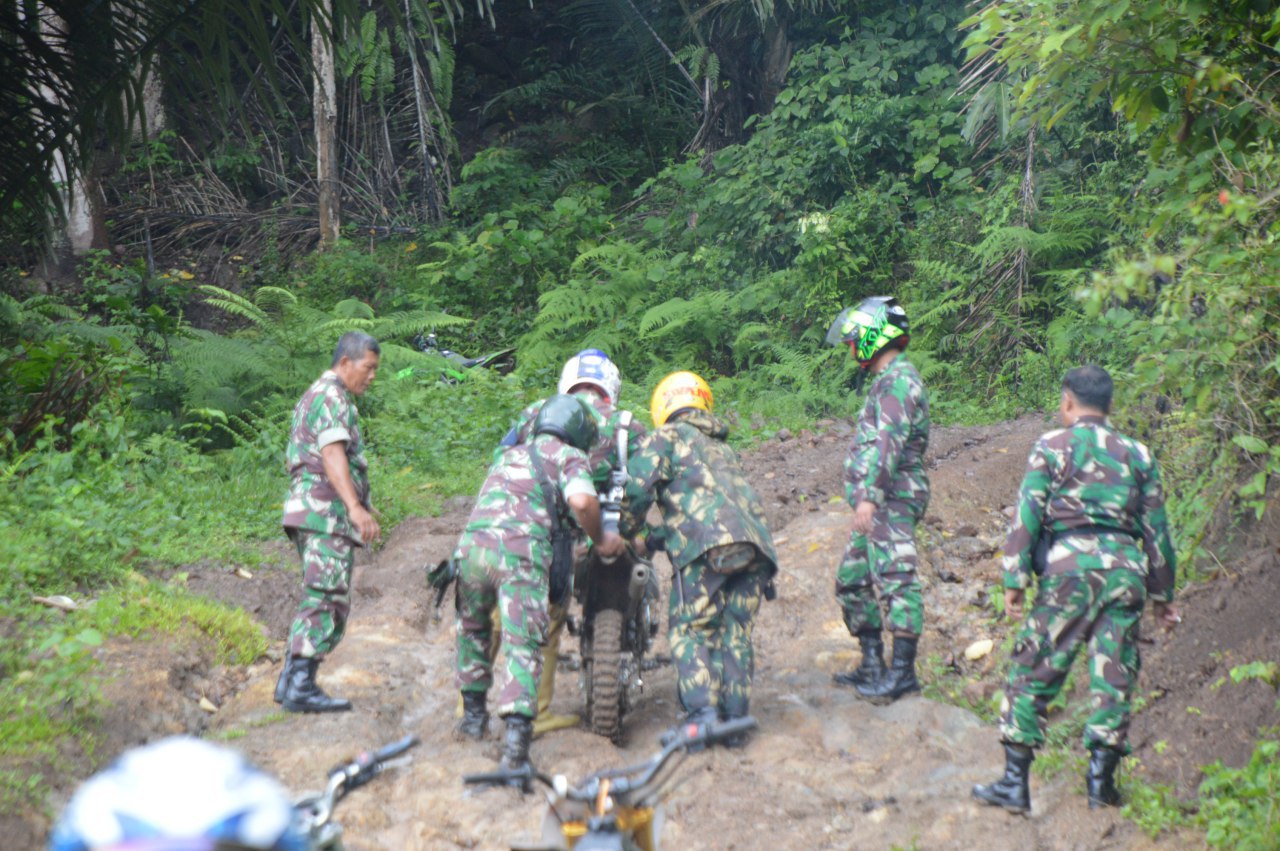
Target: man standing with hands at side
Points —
{"points": [[1090, 525], [886, 483], [327, 514]]}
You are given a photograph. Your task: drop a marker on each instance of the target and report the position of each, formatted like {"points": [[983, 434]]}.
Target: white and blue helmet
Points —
{"points": [[593, 367], [179, 794]]}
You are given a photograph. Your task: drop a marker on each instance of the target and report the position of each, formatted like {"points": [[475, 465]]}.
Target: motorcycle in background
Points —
{"points": [[501, 361]]}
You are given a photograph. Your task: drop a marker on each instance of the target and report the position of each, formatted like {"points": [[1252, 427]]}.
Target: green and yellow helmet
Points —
{"points": [[875, 323]]}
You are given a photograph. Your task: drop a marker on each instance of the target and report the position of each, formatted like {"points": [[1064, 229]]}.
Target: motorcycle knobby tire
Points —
{"points": [[604, 677]]}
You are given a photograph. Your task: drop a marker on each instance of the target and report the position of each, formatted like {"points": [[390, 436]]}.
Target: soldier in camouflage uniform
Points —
{"points": [[593, 378], [714, 531], [886, 484], [1090, 523], [326, 514], [503, 559]]}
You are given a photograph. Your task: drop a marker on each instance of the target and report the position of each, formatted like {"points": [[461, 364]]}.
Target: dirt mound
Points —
{"points": [[824, 770], [1196, 714]]}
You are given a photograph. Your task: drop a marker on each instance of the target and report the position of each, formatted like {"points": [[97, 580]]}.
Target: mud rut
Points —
{"points": [[825, 770]]}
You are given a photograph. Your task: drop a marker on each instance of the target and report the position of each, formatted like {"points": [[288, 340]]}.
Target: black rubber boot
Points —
{"points": [[475, 717], [735, 741], [282, 684], [1013, 790], [1101, 778], [515, 751], [899, 679], [301, 694], [872, 667]]}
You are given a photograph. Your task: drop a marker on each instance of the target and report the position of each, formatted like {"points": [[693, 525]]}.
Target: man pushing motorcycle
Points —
{"points": [[592, 378], [714, 531], [503, 560]]}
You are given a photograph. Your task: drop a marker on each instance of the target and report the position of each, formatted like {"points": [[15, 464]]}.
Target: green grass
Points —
{"points": [[145, 608], [49, 706], [232, 733]]}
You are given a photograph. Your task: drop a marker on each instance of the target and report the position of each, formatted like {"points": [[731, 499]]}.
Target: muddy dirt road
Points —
{"points": [[824, 771]]}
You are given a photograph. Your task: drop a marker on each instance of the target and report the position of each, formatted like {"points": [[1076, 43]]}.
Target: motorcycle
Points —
{"points": [[619, 619], [616, 809], [454, 372], [314, 811]]}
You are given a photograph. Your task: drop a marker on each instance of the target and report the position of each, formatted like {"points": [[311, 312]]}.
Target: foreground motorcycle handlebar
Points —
{"points": [[316, 810], [621, 780]]}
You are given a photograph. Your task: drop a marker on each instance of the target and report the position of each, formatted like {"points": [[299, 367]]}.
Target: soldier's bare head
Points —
{"points": [[1087, 389], [355, 360]]}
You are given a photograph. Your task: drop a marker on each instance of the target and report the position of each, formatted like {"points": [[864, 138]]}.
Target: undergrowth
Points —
{"points": [[51, 693]]}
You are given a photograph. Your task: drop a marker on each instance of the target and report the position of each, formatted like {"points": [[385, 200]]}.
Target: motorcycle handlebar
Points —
{"points": [[639, 777], [693, 735], [626, 780], [520, 777], [369, 764], [317, 809], [393, 750], [723, 729]]}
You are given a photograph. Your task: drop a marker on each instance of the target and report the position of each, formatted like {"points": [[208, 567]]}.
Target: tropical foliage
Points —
{"points": [[686, 185]]}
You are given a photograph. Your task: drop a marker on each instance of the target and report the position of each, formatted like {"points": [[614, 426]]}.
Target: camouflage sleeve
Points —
{"points": [[329, 420], [1156, 541], [1028, 518], [575, 473], [646, 468], [603, 456], [861, 458], [870, 469]]}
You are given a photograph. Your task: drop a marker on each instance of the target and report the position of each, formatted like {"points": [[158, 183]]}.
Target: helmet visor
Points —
{"points": [[849, 326]]}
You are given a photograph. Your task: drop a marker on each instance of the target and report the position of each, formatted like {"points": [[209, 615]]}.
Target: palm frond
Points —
{"points": [[72, 74]]}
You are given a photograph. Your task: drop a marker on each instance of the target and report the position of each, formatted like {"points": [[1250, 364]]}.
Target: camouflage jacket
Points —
{"points": [[325, 414], [1091, 475], [512, 501], [886, 458], [705, 500], [603, 457]]}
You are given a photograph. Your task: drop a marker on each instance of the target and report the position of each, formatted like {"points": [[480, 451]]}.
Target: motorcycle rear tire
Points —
{"points": [[604, 679]]}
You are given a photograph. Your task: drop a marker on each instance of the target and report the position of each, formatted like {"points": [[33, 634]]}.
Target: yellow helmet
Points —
{"points": [[678, 391]]}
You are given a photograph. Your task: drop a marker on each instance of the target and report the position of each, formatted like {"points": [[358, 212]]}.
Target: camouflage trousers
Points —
{"points": [[1100, 607], [489, 575], [886, 560], [712, 616], [321, 620], [557, 617]]}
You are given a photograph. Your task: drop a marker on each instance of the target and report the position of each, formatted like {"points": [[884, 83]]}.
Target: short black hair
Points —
{"points": [[1091, 385], [353, 345]]}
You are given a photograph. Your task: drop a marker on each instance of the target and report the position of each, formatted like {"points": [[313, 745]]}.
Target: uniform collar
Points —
{"points": [[330, 375], [899, 361], [705, 422], [1090, 419]]}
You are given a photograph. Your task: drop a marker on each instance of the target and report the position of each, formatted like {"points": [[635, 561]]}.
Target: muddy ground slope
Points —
{"points": [[824, 771]]}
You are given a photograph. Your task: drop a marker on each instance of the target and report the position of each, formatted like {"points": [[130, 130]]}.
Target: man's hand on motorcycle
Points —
{"points": [[611, 546]]}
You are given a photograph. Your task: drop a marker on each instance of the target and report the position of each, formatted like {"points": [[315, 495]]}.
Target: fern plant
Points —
{"points": [[283, 346]]}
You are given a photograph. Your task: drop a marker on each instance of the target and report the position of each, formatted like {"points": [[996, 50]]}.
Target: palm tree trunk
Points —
{"points": [[83, 227], [325, 115]]}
